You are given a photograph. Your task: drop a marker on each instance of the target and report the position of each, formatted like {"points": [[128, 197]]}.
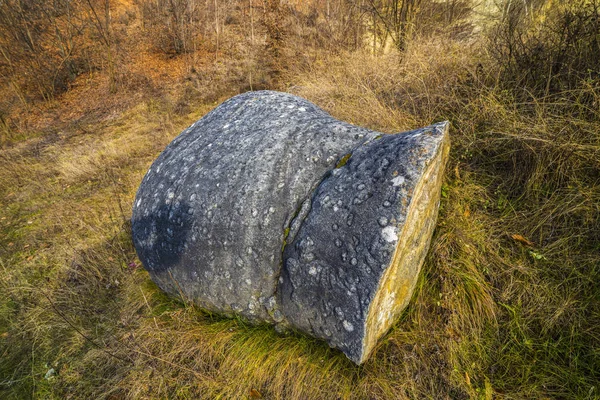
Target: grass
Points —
{"points": [[507, 304]]}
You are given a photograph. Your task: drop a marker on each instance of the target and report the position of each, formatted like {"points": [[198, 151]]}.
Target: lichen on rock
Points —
{"points": [[354, 263], [271, 209]]}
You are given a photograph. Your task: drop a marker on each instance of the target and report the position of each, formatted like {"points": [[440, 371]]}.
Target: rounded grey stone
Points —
{"points": [[270, 208], [258, 162]]}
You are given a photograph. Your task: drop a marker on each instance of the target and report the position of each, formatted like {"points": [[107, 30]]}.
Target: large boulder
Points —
{"points": [[271, 209]]}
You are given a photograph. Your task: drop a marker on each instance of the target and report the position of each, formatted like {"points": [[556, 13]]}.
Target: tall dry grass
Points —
{"points": [[507, 305]]}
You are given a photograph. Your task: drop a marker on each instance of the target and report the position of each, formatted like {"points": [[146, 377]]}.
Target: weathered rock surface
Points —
{"points": [[210, 215], [270, 208], [354, 263]]}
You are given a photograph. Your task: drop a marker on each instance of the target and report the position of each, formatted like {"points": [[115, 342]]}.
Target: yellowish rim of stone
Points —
{"points": [[399, 280]]}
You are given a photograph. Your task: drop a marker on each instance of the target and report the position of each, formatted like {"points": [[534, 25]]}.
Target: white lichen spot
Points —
{"points": [[226, 126], [278, 316], [302, 109], [348, 326], [312, 270], [383, 221], [308, 256], [389, 234], [397, 181]]}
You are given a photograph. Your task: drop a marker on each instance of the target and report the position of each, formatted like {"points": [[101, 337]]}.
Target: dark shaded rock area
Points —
{"points": [[271, 209]]}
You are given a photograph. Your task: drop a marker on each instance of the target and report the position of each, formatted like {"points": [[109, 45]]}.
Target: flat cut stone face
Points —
{"points": [[271, 209]]}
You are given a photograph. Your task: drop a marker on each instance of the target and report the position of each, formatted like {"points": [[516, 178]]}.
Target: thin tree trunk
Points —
{"points": [[251, 24], [217, 28]]}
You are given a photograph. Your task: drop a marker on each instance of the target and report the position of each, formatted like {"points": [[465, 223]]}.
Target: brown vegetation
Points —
{"points": [[507, 305]]}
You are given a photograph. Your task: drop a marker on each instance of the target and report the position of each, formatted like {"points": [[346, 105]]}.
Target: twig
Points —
{"points": [[60, 314]]}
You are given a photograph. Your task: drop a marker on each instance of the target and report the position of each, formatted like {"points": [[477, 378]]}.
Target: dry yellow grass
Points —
{"points": [[492, 317]]}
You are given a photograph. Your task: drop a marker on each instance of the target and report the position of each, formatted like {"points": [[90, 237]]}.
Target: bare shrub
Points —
{"points": [[44, 46], [173, 26], [38, 43], [398, 21], [548, 49]]}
